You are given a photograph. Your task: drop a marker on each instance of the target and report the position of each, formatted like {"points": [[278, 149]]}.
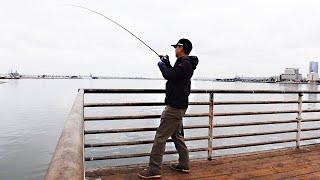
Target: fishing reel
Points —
{"points": [[166, 57]]}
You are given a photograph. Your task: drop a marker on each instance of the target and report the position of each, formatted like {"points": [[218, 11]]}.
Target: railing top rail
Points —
{"points": [[259, 91], [67, 161]]}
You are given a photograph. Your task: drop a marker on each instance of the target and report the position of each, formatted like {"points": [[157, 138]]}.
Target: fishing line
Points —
{"points": [[113, 21]]}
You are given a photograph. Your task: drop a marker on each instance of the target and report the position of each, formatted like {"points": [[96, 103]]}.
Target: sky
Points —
{"points": [[230, 37]]}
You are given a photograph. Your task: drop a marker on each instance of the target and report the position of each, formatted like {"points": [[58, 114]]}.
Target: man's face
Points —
{"points": [[179, 51]]}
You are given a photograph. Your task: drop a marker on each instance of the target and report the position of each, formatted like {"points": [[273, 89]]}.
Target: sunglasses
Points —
{"points": [[178, 44]]}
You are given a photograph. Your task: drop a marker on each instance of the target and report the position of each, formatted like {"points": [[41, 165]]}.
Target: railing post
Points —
{"points": [[210, 133], [299, 120], [83, 137]]}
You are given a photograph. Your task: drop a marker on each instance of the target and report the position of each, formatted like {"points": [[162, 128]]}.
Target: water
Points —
{"points": [[32, 114]]}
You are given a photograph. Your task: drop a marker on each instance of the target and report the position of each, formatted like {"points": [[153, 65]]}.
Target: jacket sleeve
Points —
{"points": [[181, 71]]}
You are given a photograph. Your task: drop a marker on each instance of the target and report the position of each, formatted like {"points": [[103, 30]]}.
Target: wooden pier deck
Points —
{"points": [[291, 163]]}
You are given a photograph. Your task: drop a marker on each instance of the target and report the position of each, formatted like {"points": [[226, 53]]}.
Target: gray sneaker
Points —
{"points": [[146, 174], [177, 167]]}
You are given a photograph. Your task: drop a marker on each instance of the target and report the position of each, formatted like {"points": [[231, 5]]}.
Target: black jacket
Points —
{"points": [[178, 85]]}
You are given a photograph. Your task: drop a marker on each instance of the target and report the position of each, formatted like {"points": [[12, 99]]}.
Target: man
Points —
{"points": [[177, 91]]}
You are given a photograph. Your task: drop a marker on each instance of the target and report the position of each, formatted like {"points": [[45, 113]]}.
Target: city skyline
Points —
{"points": [[313, 71]]}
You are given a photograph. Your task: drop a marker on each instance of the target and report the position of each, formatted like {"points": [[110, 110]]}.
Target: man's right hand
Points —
{"points": [[165, 59]]}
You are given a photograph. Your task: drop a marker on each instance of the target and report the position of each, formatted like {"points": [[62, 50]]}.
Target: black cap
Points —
{"points": [[185, 43]]}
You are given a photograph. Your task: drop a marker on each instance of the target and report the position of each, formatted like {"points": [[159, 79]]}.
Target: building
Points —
{"points": [[313, 75], [291, 74], [313, 67], [274, 79], [14, 75]]}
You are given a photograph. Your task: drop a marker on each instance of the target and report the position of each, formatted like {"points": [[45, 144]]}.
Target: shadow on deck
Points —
{"points": [[291, 163]]}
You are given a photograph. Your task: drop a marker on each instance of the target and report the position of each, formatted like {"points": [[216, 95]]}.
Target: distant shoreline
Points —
{"points": [[195, 79]]}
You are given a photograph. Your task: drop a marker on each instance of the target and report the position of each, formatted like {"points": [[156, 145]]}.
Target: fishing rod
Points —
{"points": [[93, 11]]}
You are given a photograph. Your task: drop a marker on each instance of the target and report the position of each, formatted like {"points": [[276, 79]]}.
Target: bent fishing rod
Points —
{"points": [[113, 21]]}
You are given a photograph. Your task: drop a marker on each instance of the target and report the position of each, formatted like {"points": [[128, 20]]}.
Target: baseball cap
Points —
{"points": [[185, 43]]}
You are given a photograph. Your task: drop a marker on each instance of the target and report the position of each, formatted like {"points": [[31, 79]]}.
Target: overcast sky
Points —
{"points": [[230, 37]]}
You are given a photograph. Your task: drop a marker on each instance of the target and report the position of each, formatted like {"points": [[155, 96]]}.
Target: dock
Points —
{"points": [[288, 163], [294, 156]]}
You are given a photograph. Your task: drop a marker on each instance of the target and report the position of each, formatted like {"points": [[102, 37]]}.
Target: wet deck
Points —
{"points": [[290, 163]]}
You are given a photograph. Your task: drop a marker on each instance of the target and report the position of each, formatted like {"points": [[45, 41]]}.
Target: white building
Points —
{"points": [[291, 74]]}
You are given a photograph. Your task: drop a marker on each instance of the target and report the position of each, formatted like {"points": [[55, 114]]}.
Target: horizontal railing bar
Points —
{"points": [[192, 103], [138, 104], [137, 155], [253, 102], [309, 138], [309, 120], [139, 117], [121, 117], [140, 142], [254, 134], [311, 101], [124, 104], [196, 138], [311, 129], [253, 144], [203, 126], [137, 129], [201, 91], [104, 131], [197, 115], [255, 113], [255, 123], [264, 112], [311, 110]]}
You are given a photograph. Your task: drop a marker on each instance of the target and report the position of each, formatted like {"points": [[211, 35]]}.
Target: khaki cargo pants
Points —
{"points": [[170, 126]]}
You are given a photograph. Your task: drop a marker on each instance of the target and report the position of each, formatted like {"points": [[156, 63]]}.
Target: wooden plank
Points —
{"points": [[303, 165], [243, 166]]}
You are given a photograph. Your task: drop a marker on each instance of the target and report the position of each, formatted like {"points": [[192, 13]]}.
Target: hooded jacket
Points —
{"points": [[178, 85]]}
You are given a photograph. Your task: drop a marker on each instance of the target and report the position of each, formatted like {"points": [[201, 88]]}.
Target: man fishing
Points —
{"points": [[177, 92]]}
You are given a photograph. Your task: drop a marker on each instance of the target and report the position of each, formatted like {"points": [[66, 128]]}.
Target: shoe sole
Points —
{"points": [[149, 177], [181, 170]]}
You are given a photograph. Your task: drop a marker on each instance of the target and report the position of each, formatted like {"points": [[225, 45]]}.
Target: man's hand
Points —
{"points": [[164, 60], [161, 64]]}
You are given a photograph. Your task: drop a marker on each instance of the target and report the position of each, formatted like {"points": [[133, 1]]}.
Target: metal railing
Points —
{"points": [[210, 114], [74, 130]]}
